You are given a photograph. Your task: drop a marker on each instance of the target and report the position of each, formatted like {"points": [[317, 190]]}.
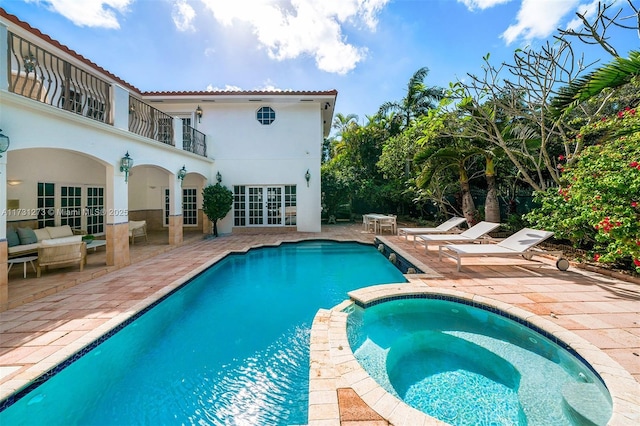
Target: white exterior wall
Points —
{"points": [[247, 152], [53, 145]]}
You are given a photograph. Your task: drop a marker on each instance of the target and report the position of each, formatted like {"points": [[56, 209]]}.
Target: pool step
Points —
{"points": [[583, 403]]}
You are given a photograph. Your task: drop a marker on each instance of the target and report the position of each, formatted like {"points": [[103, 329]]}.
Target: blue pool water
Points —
{"points": [[468, 366], [230, 347]]}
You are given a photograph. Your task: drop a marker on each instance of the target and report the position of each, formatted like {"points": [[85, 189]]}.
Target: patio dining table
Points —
{"points": [[377, 219]]}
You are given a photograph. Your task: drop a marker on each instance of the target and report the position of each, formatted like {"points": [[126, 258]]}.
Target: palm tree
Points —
{"points": [[436, 160], [342, 123], [615, 74], [418, 100]]}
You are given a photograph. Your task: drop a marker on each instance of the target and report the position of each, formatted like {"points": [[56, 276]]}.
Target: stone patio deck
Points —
{"points": [[54, 316]]}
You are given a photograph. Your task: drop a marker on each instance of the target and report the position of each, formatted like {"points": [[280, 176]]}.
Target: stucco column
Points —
{"points": [[4, 277], [117, 212], [175, 210]]}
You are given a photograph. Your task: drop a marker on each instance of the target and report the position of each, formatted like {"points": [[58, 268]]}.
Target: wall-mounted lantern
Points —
{"points": [[126, 163], [199, 113], [4, 143], [307, 177], [181, 174], [218, 177]]}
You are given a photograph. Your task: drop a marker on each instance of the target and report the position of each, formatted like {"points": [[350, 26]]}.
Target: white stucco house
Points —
{"points": [[71, 125]]}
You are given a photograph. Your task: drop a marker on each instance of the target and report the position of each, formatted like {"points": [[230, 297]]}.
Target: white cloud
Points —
{"points": [[538, 19], [482, 4], [288, 29], [226, 88], [182, 15], [90, 13], [588, 10]]}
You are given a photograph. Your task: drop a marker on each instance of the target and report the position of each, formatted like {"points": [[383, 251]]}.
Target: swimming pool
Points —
{"points": [[466, 365], [231, 346]]}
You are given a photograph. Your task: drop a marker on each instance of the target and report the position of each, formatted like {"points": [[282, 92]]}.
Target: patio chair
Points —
{"points": [[388, 224], [477, 233], [137, 228], [522, 243], [448, 227], [56, 254]]}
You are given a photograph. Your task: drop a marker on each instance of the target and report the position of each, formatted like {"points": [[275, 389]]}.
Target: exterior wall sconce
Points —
{"points": [[307, 177], [126, 163], [199, 113], [326, 105], [181, 174], [4, 143], [218, 177]]}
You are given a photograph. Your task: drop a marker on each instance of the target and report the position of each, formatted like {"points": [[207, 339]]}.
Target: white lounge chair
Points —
{"points": [[448, 227], [477, 233], [522, 243]]}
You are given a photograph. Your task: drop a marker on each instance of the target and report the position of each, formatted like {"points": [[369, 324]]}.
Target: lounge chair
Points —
{"points": [[448, 227], [522, 243], [477, 233]]}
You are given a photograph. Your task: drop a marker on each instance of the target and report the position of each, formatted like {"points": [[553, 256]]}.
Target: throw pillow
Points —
{"points": [[12, 237], [42, 234], [27, 236]]}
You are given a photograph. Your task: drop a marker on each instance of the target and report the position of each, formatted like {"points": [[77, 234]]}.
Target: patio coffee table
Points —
{"points": [[24, 261], [94, 244]]}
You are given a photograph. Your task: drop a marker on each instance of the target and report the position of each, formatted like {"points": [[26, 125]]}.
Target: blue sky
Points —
{"points": [[365, 49]]}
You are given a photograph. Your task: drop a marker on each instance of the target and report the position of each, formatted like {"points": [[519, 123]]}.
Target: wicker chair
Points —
{"points": [[61, 254]]}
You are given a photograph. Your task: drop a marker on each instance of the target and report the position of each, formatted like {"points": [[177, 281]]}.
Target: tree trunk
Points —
{"points": [[491, 204], [215, 228], [468, 206]]}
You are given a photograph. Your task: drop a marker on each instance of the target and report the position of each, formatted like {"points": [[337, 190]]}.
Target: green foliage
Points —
{"points": [[598, 205], [617, 73], [216, 203]]}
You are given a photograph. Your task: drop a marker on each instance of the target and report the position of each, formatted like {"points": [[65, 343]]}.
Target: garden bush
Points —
{"points": [[598, 205]]}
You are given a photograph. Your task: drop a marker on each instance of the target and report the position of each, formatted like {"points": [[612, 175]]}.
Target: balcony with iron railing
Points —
{"points": [[39, 75], [194, 141]]}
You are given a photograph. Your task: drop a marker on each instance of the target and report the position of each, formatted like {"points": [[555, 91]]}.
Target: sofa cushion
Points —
{"points": [[62, 240], [23, 248], [27, 236], [42, 234], [12, 237], [59, 231]]}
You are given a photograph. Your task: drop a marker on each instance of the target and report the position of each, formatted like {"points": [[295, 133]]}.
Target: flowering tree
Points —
{"points": [[598, 204]]}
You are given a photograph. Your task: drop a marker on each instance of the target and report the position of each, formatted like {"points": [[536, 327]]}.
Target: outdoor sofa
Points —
{"points": [[26, 241]]}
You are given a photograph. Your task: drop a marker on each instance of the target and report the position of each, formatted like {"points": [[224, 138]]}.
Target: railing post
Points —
{"points": [[177, 132], [4, 53], [120, 98]]}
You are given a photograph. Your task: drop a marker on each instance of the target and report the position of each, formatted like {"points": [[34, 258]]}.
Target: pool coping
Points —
{"points": [[333, 362]]}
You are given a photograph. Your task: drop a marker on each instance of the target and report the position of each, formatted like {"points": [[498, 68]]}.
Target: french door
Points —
{"points": [[264, 205], [79, 206]]}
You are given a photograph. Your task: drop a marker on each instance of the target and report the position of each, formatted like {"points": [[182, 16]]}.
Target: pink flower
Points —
{"points": [[603, 119], [620, 114], [633, 164], [596, 257], [636, 262], [634, 204], [561, 157]]}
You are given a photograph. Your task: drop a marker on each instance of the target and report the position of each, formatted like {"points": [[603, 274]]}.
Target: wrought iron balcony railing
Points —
{"points": [[145, 120], [44, 77], [194, 141]]}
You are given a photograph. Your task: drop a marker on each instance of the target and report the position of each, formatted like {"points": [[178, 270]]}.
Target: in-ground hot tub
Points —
{"points": [[466, 365]]}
